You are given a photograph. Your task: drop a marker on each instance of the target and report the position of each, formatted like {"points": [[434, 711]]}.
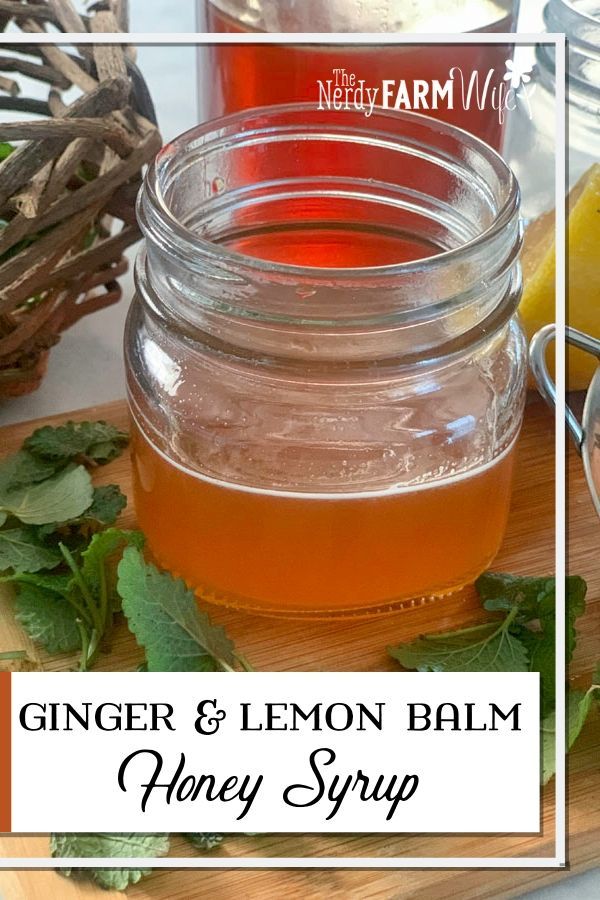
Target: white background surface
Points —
{"points": [[86, 367]]}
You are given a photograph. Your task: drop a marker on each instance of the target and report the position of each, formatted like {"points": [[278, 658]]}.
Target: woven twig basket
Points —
{"points": [[67, 189]]}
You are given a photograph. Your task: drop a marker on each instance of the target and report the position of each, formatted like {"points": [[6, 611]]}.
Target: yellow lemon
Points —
{"points": [[583, 273]]}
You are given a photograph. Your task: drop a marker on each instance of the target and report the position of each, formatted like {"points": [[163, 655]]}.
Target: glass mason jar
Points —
{"points": [[530, 133], [236, 77], [325, 371]]}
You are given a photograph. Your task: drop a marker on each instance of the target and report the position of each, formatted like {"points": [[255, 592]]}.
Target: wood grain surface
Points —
{"points": [[287, 645]]}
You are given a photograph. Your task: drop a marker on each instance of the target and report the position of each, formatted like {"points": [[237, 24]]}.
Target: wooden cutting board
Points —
{"points": [[281, 645]]}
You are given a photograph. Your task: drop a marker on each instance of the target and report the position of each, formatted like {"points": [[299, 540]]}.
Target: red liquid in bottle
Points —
{"points": [[243, 76]]}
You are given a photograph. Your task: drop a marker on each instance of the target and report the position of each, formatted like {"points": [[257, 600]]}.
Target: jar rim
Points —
{"points": [[572, 6], [582, 29], [161, 217], [503, 14]]}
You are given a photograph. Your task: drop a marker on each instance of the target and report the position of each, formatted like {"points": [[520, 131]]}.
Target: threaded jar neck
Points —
{"points": [[580, 21], [414, 224]]}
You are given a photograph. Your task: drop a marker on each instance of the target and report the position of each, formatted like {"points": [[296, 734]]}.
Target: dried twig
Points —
{"points": [[66, 15], [34, 10], [38, 71], [9, 86], [20, 166], [67, 186]]}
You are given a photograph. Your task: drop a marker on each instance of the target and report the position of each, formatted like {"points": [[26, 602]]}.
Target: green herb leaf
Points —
{"points": [[21, 551], [534, 600], [542, 657], [576, 590], [579, 704], [108, 502], [92, 587], [58, 508], [98, 441], [66, 612], [113, 845], [102, 546], [48, 619], [543, 643], [204, 840], [23, 468], [56, 584], [64, 496], [499, 591], [483, 648], [165, 619]]}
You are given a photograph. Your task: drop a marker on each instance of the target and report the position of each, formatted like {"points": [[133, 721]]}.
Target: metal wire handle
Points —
{"points": [[545, 383]]}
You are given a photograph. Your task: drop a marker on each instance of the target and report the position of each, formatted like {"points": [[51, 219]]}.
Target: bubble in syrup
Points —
{"points": [[305, 293]]}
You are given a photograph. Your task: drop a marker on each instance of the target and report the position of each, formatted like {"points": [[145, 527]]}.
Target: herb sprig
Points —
{"points": [[56, 543], [522, 639], [59, 548]]}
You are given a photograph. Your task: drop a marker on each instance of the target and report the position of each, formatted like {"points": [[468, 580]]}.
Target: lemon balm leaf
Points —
{"points": [[501, 592], [48, 618], [542, 658], [97, 441], [23, 468], [575, 606], [47, 488], [102, 546], [108, 502], [66, 612], [163, 615], [47, 581], [21, 551], [484, 648], [534, 600], [204, 840], [579, 704], [64, 496], [109, 845]]}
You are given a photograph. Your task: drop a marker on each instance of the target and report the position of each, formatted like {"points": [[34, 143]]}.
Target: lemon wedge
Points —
{"points": [[538, 260]]}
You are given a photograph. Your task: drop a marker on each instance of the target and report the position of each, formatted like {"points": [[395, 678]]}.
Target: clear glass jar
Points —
{"points": [[325, 372], [236, 77], [530, 133]]}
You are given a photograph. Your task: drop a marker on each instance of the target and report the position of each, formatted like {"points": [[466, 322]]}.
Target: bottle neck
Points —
{"points": [[580, 21]]}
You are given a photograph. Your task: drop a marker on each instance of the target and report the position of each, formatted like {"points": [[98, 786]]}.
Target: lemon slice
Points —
{"points": [[538, 260]]}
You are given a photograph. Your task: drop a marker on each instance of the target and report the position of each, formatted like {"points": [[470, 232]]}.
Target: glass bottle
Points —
{"points": [[530, 134], [235, 77]]}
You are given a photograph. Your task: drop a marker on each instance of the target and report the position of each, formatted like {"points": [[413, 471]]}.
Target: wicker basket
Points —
{"points": [[68, 188]]}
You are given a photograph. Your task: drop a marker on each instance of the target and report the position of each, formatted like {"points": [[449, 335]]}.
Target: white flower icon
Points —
{"points": [[515, 75]]}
